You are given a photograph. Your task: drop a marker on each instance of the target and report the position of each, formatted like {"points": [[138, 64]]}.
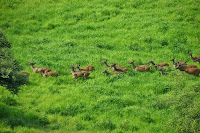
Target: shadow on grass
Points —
{"points": [[15, 117]]}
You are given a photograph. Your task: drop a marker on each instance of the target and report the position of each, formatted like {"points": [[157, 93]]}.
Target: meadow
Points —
{"points": [[60, 33]]}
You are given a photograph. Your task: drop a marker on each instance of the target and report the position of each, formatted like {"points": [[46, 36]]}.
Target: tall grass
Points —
{"points": [[58, 34]]}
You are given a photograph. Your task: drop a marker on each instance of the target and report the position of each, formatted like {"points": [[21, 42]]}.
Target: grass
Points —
{"points": [[58, 34]]}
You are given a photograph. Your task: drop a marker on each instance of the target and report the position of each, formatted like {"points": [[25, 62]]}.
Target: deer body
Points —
{"points": [[87, 68], [140, 68], [117, 69], [75, 75], [178, 62], [109, 67], [113, 73], [193, 71], [27, 74], [162, 72], [194, 59], [46, 74], [183, 67], [164, 64], [39, 69]]}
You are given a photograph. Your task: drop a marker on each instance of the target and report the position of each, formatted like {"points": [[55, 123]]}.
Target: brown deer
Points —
{"points": [[193, 71], [27, 74], [194, 59], [50, 73], [87, 68], [178, 62], [75, 75], [164, 64], [38, 69], [140, 68], [183, 67], [117, 69], [162, 72], [113, 73], [109, 67]]}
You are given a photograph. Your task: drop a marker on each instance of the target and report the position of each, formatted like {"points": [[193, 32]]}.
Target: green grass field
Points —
{"points": [[60, 33]]}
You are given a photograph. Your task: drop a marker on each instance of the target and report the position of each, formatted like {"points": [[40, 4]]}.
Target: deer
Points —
{"points": [[38, 69], [140, 68], [194, 59], [27, 74], [49, 73], [164, 64], [87, 68], [178, 62], [117, 69], [162, 72], [183, 67], [113, 73], [75, 75], [193, 71], [109, 67]]}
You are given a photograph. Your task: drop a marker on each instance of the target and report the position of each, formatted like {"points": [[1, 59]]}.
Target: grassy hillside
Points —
{"points": [[60, 33]]}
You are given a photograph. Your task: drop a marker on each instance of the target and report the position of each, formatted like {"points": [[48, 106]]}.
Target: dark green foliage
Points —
{"points": [[3, 42], [10, 75], [9, 101]]}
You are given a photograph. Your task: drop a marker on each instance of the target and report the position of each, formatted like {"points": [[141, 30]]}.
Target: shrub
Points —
{"points": [[10, 75]]}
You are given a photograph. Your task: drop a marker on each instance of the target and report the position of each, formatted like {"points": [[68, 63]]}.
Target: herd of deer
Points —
{"points": [[84, 72]]}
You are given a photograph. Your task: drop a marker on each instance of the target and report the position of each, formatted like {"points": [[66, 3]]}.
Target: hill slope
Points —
{"points": [[59, 33]]}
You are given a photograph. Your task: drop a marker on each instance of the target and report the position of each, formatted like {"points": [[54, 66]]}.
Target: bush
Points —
{"points": [[10, 75]]}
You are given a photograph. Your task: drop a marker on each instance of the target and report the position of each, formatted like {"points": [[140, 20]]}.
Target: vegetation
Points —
{"points": [[60, 33], [10, 75]]}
